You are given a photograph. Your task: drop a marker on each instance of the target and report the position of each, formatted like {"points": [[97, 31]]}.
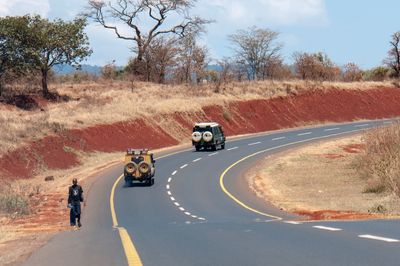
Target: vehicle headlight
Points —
{"points": [[207, 136]]}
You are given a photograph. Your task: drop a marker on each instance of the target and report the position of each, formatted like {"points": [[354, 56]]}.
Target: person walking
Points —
{"points": [[75, 197]]}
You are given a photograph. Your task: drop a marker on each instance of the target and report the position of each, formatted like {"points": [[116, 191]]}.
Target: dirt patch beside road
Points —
{"points": [[320, 181]]}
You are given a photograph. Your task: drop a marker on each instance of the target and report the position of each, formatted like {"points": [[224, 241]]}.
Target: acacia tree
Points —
{"points": [[147, 20], [393, 57], [56, 43], [13, 32], [255, 47]]}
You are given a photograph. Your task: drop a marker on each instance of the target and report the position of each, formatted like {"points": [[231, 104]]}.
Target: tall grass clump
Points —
{"points": [[14, 199], [380, 161]]}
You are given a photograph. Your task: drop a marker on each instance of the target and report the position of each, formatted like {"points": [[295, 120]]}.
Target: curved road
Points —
{"points": [[200, 212]]}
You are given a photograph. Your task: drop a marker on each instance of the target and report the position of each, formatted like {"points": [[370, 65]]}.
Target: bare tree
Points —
{"points": [[160, 58], [315, 66], [191, 60], [254, 47], [147, 19], [352, 72], [393, 57]]}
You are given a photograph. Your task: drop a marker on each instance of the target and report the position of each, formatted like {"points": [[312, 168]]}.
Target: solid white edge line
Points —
{"points": [[174, 173], [169, 193], [172, 198], [234, 148], [196, 160], [303, 134], [327, 228], [385, 239], [279, 138], [183, 166]]}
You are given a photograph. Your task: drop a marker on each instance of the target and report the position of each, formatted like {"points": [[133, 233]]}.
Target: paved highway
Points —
{"points": [[201, 212]]}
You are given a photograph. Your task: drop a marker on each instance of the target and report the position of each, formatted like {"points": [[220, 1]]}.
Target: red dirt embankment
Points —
{"points": [[61, 151]]}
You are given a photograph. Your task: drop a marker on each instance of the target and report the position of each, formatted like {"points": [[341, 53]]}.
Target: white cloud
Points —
{"points": [[277, 12], [23, 7]]}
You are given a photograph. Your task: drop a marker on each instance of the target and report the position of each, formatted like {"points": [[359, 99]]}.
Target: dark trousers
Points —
{"points": [[75, 213]]}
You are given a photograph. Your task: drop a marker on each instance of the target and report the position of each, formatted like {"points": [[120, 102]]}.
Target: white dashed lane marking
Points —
{"points": [[291, 222], [212, 154], [303, 134], [167, 187], [363, 125], [174, 173], [234, 148], [183, 166], [279, 138], [177, 204], [196, 160], [390, 240], [332, 129], [172, 198], [188, 213], [169, 180], [327, 228], [182, 209], [254, 143], [169, 193]]}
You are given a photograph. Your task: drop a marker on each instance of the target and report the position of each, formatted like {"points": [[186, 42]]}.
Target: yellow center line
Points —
{"points": [[222, 176], [131, 253], [221, 182]]}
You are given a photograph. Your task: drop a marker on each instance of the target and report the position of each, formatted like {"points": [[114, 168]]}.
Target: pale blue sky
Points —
{"points": [[348, 31]]}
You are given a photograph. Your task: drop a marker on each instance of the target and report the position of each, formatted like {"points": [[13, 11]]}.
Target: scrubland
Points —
{"points": [[106, 102]]}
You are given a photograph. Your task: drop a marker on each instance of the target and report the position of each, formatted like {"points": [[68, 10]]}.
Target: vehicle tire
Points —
{"points": [[223, 146], [198, 148], [214, 147]]}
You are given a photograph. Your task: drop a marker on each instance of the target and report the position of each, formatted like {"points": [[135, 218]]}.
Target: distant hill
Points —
{"points": [[66, 69]]}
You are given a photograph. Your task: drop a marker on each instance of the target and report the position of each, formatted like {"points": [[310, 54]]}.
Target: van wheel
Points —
{"points": [[223, 146], [214, 147], [197, 148]]}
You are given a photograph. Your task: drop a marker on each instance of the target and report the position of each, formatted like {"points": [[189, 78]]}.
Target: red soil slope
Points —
{"points": [[60, 151]]}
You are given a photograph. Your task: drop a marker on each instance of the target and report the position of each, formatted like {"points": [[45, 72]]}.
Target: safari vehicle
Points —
{"points": [[208, 136], [139, 166]]}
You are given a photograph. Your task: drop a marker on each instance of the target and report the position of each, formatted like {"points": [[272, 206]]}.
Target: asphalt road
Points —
{"points": [[201, 212]]}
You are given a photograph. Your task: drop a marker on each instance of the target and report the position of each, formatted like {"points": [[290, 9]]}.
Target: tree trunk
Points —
{"points": [[45, 89]]}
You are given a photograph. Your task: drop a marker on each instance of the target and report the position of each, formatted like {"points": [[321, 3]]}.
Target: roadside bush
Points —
{"points": [[14, 204], [380, 162], [377, 74]]}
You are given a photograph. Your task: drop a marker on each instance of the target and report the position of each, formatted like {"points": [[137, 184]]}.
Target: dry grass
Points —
{"points": [[319, 177], [379, 164], [105, 102]]}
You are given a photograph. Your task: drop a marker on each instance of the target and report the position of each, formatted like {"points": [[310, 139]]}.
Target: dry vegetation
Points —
{"points": [[325, 177], [105, 102], [379, 164]]}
